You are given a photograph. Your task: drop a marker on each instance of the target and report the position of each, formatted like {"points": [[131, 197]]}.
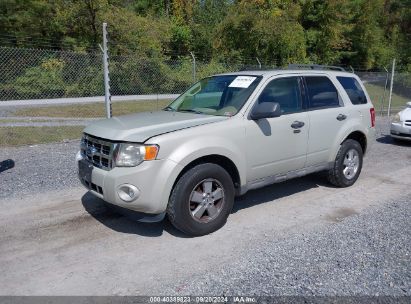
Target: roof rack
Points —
{"points": [[314, 67]]}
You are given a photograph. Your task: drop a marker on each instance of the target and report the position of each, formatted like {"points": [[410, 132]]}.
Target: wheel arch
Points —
{"points": [[358, 136], [221, 160]]}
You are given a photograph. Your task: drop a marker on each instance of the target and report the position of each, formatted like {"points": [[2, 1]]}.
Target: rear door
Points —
{"points": [[357, 96], [327, 115]]}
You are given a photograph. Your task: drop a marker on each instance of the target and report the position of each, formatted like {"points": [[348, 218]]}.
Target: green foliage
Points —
{"points": [[365, 34], [362, 33], [326, 24], [44, 79], [270, 32]]}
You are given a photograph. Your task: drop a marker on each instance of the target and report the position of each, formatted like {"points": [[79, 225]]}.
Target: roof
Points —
{"points": [[269, 73]]}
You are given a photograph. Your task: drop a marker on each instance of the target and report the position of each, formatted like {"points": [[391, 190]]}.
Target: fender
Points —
{"points": [[225, 138], [199, 147], [354, 125]]}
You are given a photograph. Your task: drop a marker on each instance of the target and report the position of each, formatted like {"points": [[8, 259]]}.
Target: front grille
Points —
{"points": [[99, 152], [408, 122], [92, 186]]}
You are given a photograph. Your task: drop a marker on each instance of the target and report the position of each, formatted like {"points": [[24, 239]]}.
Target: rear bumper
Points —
{"points": [[400, 131]]}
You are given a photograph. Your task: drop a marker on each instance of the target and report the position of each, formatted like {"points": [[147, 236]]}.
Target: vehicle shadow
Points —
{"points": [[123, 220], [280, 190], [6, 165], [387, 139]]}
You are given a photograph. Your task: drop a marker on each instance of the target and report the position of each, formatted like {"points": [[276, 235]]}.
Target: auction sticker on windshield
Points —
{"points": [[242, 82]]}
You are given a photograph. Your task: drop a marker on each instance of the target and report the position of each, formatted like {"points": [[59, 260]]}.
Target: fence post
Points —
{"points": [[194, 67], [259, 62], [385, 90], [107, 95], [391, 86]]}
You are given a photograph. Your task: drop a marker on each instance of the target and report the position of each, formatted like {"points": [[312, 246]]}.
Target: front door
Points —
{"points": [[278, 145]]}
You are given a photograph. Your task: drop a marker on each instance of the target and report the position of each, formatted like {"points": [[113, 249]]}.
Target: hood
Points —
{"points": [[139, 127]]}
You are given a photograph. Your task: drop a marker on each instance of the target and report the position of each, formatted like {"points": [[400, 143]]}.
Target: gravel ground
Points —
{"points": [[364, 254], [39, 168], [300, 237]]}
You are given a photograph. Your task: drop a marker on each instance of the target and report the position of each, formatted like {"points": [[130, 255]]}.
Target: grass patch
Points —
{"points": [[376, 93], [19, 136], [7, 120], [91, 110]]}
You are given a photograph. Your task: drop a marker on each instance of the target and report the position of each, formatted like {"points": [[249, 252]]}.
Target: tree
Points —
{"points": [[326, 25], [270, 32], [369, 40]]}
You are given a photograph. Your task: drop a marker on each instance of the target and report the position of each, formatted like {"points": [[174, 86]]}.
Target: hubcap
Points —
{"points": [[351, 163], [206, 200]]}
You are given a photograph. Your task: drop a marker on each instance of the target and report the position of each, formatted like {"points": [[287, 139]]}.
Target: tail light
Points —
{"points": [[372, 114]]}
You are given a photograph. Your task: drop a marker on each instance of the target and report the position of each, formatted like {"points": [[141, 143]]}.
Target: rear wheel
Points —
{"points": [[347, 165], [201, 200]]}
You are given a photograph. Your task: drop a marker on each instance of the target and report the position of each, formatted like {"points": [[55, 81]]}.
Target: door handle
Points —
{"points": [[297, 124], [341, 117]]}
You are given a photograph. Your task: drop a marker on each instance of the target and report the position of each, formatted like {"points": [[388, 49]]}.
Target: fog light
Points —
{"points": [[128, 193]]}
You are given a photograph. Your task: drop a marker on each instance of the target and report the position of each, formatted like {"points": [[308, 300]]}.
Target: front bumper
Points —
{"points": [[153, 179], [400, 131]]}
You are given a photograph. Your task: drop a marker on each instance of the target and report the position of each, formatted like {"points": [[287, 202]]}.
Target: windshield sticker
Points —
{"points": [[242, 82]]}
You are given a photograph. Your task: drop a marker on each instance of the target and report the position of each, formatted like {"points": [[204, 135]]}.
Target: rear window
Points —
{"points": [[321, 92], [353, 89]]}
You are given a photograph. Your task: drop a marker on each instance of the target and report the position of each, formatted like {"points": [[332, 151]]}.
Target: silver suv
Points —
{"points": [[224, 136]]}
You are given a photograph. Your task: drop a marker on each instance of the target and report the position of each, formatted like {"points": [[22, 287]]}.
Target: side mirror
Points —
{"points": [[266, 110]]}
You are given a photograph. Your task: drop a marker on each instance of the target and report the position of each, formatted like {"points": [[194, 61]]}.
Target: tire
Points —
{"points": [[190, 207], [336, 174]]}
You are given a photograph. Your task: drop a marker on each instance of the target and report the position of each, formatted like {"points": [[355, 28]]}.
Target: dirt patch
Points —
{"points": [[340, 214]]}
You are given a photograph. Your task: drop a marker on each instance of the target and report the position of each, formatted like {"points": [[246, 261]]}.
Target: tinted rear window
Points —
{"points": [[321, 92], [353, 89]]}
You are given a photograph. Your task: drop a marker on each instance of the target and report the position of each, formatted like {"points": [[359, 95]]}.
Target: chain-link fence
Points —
{"points": [[49, 96], [378, 87], [44, 74], [40, 74]]}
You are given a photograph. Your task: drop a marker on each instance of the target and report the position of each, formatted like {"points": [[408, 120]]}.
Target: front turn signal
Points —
{"points": [[151, 152]]}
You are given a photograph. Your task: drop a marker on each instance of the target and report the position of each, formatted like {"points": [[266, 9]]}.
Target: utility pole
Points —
{"points": [[107, 95], [391, 86]]}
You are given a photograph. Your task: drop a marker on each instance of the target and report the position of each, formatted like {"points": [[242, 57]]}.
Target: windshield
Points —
{"points": [[217, 95]]}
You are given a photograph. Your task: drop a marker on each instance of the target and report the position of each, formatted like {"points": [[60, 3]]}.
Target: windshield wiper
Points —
{"points": [[168, 108], [191, 111]]}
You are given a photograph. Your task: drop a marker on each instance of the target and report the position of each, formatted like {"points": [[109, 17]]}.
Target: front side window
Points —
{"points": [[353, 89], [286, 92], [218, 95], [321, 92]]}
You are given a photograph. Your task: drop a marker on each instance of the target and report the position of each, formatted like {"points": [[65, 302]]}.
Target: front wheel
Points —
{"points": [[347, 165], [201, 200]]}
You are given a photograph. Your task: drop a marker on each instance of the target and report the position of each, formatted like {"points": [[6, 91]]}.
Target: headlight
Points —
{"points": [[397, 118], [131, 155]]}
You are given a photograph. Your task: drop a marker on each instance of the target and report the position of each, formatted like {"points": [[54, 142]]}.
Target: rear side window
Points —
{"points": [[353, 89], [321, 93]]}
